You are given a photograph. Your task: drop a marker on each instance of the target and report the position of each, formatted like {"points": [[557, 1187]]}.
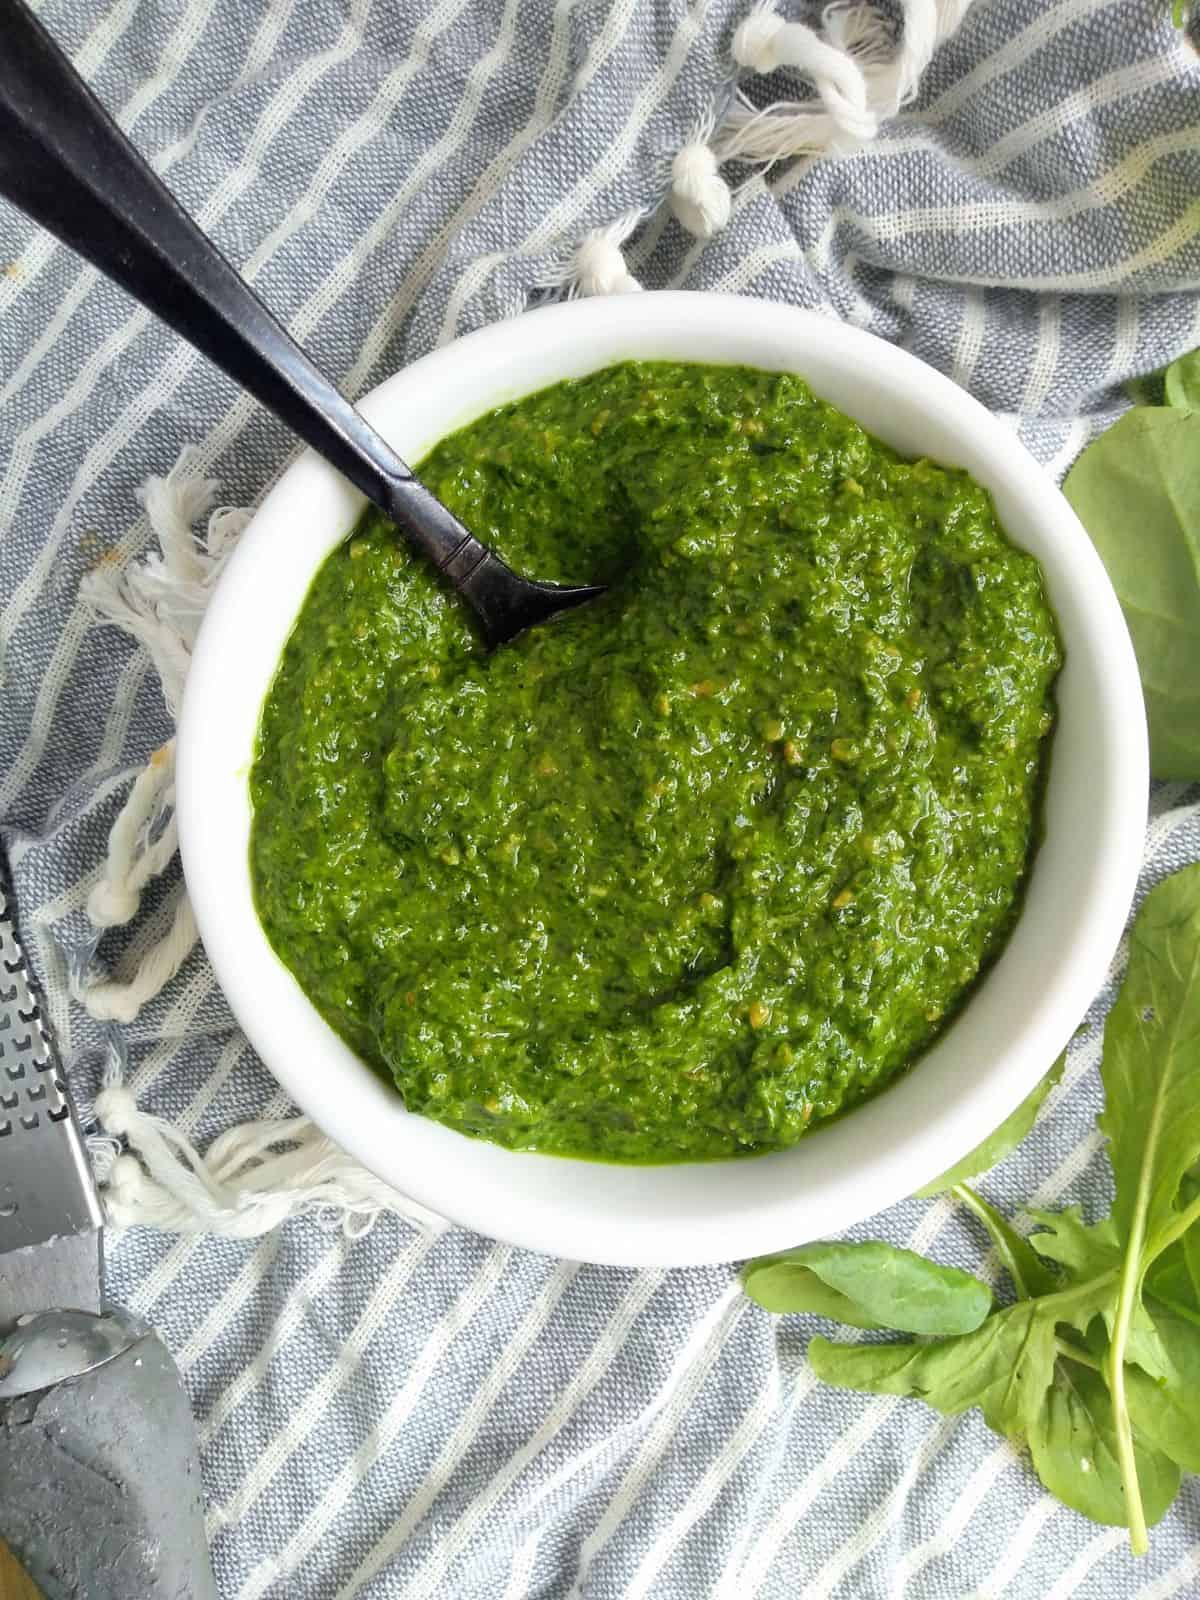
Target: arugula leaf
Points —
{"points": [[1177, 384], [1190, 1243], [997, 1145], [1151, 1082], [1033, 1387], [1097, 1365], [1003, 1367], [780, 1285], [1168, 1413], [1085, 1250], [1172, 1282], [1174, 1275], [1073, 1444], [892, 1288], [1023, 1265], [1151, 1115], [1148, 390], [1181, 382], [1137, 491]]}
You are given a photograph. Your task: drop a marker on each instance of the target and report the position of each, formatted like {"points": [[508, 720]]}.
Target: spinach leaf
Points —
{"points": [[780, 1285], [1181, 382], [1073, 1444], [1137, 491], [892, 1288], [1006, 1138]]}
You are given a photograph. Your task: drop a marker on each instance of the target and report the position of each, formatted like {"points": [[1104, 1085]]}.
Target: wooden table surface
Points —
{"points": [[14, 1585]]}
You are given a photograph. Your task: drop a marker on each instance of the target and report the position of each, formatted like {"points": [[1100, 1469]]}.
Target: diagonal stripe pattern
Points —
{"points": [[394, 1416]]}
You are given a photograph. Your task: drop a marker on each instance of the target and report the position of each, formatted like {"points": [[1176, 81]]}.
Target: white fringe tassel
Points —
{"points": [[123, 1002], [249, 1180], [252, 1177], [860, 74], [159, 601], [700, 197], [596, 265], [138, 848]]}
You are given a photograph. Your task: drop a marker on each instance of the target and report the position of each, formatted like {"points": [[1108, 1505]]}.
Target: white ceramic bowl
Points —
{"points": [[1015, 1024]]}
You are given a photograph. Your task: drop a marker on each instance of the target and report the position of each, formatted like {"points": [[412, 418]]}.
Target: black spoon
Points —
{"points": [[65, 162]]}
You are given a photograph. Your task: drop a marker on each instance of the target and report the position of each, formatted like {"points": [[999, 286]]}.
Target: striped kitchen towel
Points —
{"points": [[403, 1412]]}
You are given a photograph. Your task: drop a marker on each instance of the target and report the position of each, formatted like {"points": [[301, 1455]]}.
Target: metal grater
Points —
{"points": [[50, 1215], [99, 1476]]}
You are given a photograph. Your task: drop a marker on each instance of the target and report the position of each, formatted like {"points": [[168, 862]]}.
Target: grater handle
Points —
{"points": [[100, 1483]]}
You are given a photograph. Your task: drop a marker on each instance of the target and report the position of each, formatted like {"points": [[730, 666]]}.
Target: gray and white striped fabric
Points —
{"points": [[392, 1417]]}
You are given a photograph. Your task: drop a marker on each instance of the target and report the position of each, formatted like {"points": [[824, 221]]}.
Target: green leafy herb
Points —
{"points": [[1006, 1138], [1086, 1251], [781, 1285], [1096, 1366], [1148, 390], [1152, 1112], [1074, 1446], [1137, 491], [1190, 1245], [1181, 382], [1175, 385], [1174, 1277], [1167, 1412], [1172, 1280], [1028, 1271], [1004, 1367], [1083, 1249], [880, 1285]]}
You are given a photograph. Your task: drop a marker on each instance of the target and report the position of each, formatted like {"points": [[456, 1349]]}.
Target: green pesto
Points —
{"points": [[705, 863]]}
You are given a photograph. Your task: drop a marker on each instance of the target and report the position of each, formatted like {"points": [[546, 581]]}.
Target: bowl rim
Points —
{"points": [[1032, 998]]}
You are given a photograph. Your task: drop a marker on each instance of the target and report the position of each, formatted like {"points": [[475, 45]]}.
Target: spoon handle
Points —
{"points": [[66, 163]]}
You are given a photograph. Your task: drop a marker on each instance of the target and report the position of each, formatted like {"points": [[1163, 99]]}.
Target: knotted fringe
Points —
{"points": [[255, 1176], [596, 265], [248, 1181], [122, 1002], [142, 842], [700, 198], [159, 600], [861, 74]]}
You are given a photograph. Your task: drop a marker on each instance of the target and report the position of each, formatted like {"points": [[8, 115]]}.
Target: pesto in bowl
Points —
{"points": [[710, 860]]}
